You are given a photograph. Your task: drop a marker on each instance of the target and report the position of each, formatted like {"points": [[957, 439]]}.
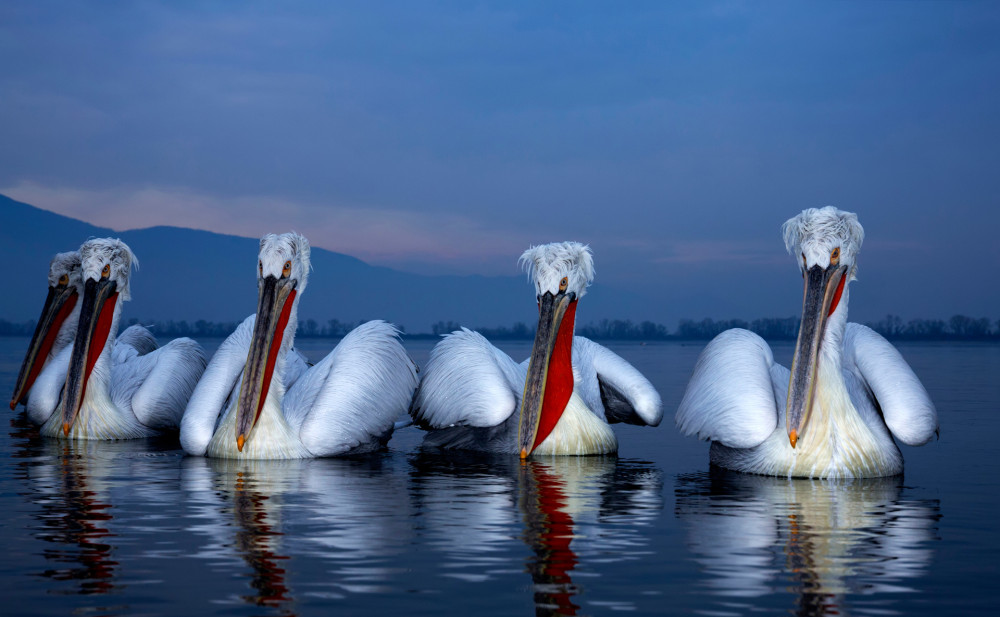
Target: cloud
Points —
{"points": [[377, 235]]}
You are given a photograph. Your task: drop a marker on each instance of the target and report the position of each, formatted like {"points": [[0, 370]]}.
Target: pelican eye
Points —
{"points": [[835, 256], [563, 283], [106, 272], [64, 279], [287, 269]]}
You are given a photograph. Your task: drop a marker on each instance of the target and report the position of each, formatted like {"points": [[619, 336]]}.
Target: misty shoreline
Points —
{"points": [[957, 328]]}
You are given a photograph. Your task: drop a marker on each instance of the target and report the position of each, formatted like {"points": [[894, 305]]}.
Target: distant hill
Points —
{"points": [[190, 274]]}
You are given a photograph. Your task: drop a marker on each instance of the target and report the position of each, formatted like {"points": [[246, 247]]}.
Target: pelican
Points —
{"points": [[258, 400], [57, 324], [847, 390], [100, 387], [565, 393]]}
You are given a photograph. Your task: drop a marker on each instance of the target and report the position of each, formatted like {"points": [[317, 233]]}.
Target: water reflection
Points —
{"points": [[572, 512], [819, 540], [74, 510], [268, 514]]}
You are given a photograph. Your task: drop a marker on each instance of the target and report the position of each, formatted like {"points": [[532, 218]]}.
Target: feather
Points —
{"points": [[730, 398], [906, 407]]}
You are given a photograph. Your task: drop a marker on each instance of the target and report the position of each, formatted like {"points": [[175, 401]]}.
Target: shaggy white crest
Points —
{"points": [[547, 264], [817, 231], [65, 263], [276, 249], [99, 252]]}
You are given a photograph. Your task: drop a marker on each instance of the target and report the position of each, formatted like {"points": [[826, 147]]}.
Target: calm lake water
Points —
{"points": [[137, 528]]}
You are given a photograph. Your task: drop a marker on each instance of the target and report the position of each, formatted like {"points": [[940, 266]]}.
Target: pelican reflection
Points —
{"points": [[474, 504], [345, 510], [74, 509], [822, 540]]}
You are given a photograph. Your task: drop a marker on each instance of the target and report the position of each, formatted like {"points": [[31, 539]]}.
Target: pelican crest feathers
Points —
{"points": [[67, 263], [98, 252], [815, 232], [276, 249], [547, 264]]}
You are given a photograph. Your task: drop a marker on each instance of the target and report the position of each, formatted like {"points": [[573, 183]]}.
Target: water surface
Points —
{"points": [[137, 528]]}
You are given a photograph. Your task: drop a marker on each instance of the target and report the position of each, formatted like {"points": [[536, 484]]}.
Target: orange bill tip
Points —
{"points": [[793, 437], [524, 454], [66, 428], [240, 441]]}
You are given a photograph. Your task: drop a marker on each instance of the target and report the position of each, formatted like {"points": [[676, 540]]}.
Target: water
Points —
{"points": [[136, 528]]}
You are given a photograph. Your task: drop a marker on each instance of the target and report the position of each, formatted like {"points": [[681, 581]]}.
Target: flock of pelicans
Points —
{"points": [[833, 415]]}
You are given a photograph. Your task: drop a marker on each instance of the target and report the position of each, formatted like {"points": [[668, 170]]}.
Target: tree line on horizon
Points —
{"points": [[957, 328]]}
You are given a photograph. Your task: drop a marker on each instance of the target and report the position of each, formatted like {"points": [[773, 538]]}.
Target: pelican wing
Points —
{"points": [[214, 389], [730, 398], [138, 338], [467, 382], [608, 382], [166, 378], [905, 404], [295, 366], [352, 397]]}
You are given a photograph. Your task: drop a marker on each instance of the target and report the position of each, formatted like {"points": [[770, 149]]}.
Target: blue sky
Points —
{"points": [[675, 138]]}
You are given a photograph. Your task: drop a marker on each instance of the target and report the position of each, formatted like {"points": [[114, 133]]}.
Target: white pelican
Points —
{"points": [[56, 327], [257, 400], [565, 394], [97, 389], [847, 390], [57, 324]]}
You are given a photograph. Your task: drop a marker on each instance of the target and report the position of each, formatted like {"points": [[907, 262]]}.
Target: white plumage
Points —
{"points": [[861, 387], [134, 388], [471, 391], [346, 403]]}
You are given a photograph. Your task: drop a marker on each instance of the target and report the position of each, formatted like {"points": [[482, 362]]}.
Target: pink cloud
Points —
{"points": [[375, 234]]}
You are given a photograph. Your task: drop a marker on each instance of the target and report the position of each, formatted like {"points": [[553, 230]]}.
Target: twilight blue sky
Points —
{"points": [[445, 137]]}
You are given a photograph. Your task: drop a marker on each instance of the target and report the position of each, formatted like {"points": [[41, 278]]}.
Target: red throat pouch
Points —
{"points": [[50, 339], [101, 332], [559, 380], [272, 353], [837, 294]]}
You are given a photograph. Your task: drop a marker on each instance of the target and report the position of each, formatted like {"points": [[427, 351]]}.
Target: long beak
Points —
{"points": [[550, 371], [274, 306], [59, 304], [96, 315], [823, 288]]}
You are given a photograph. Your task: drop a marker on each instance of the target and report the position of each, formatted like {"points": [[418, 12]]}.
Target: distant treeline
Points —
{"points": [[958, 328]]}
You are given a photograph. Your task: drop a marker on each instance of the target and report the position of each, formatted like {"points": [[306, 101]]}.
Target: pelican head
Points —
{"points": [[105, 266], [825, 242], [282, 272], [64, 290], [561, 272]]}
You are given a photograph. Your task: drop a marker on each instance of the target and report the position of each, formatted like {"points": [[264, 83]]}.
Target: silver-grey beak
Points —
{"points": [[821, 287], [274, 305]]}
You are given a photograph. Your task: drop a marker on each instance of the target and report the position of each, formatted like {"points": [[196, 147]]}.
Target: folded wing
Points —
{"points": [[352, 397], [166, 379], [730, 398], [467, 382], [905, 404], [214, 389], [607, 382]]}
